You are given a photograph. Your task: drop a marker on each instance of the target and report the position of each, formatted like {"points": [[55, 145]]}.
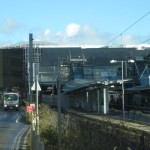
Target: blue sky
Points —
{"points": [[74, 22]]}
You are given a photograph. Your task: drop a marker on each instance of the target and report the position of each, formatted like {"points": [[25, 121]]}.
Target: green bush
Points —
{"points": [[26, 118], [48, 125]]}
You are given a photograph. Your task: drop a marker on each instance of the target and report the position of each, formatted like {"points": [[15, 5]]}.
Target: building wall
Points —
{"points": [[12, 68], [1, 68], [99, 58], [94, 56], [12, 60]]}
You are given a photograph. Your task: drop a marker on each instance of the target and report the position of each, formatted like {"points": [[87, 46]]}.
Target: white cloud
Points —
{"points": [[9, 26], [129, 39], [88, 30], [125, 39], [72, 29], [73, 33], [84, 34], [47, 32]]}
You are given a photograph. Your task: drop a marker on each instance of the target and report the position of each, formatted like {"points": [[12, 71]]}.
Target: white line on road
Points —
{"points": [[18, 138], [18, 119]]}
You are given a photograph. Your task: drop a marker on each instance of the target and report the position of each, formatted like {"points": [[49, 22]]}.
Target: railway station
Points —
{"points": [[82, 82], [104, 89], [89, 79]]}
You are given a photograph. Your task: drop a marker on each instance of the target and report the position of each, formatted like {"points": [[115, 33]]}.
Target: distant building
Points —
{"points": [[14, 62], [11, 67]]}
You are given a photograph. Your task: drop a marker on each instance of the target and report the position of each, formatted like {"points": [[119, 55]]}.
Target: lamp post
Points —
{"points": [[122, 81], [122, 73], [59, 109], [59, 106]]}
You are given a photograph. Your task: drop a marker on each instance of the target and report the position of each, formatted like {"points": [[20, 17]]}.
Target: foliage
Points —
{"points": [[26, 118], [48, 130], [81, 133], [48, 125]]}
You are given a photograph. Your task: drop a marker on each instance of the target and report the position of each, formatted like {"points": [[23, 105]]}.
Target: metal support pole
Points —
{"points": [[115, 61], [30, 65], [59, 110], [41, 145], [53, 96], [35, 67], [33, 139], [87, 96], [98, 101], [87, 100], [126, 69], [37, 138], [122, 90], [29, 86], [105, 94], [37, 110]]}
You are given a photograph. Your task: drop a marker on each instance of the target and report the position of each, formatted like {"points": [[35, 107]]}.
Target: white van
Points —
{"points": [[11, 100]]}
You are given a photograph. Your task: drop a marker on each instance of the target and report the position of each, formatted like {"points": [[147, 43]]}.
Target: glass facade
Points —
{"points": [[77, 71], [105, 73], [89, 72]]}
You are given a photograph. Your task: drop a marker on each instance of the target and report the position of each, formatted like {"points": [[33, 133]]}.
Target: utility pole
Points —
{"points": [[30, 67], [122, 74], [59, 104], [59, 109], [35, 67], [36, 87], [122, 82]]}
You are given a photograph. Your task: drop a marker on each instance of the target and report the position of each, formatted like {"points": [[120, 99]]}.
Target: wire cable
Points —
{"points": [[128, 27], [145, 41]]}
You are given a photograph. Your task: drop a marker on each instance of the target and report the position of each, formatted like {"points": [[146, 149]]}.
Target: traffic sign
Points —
{"points": [[38, 87], [33, 105], [29, 108]]}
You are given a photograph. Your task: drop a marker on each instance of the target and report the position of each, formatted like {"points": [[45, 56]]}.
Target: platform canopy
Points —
{"points": [[77, 84], [138, 88]]}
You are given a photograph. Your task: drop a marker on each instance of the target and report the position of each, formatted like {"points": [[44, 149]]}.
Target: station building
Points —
{"points": [[90, 63], [14, 61]]}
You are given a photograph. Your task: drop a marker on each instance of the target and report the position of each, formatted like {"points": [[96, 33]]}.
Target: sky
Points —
{"points": [[78, 22]]}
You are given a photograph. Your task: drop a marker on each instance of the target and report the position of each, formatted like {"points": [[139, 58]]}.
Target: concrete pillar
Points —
{"points": [[87, 96], [87, 100], [106, 104], [53, 99], [98, 102]]}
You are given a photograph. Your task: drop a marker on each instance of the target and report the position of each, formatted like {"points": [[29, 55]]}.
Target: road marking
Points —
{"points": [[18, 119], [18, 138]]}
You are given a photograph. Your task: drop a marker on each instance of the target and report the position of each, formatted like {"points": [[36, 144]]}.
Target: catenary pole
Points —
{"points": [[30, 65]]}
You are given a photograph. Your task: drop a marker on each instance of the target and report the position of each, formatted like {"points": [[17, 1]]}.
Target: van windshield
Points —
{"points": [[10, 97]]}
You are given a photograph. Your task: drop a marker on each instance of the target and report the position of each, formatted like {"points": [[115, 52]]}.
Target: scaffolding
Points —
{"points": [[36, 58]]}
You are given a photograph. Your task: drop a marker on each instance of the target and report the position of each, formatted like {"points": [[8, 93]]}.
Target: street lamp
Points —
{"points": [[122, 72]]}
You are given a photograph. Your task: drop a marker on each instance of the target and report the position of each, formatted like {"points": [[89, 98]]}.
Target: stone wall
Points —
{"points": [[105, 134]]}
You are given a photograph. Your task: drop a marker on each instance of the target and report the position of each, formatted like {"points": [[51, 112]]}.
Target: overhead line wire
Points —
{"points": [[128, 27], [145, 41]]}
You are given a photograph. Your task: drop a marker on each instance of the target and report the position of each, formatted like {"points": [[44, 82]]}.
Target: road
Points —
{"points": [[12, 131]]}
